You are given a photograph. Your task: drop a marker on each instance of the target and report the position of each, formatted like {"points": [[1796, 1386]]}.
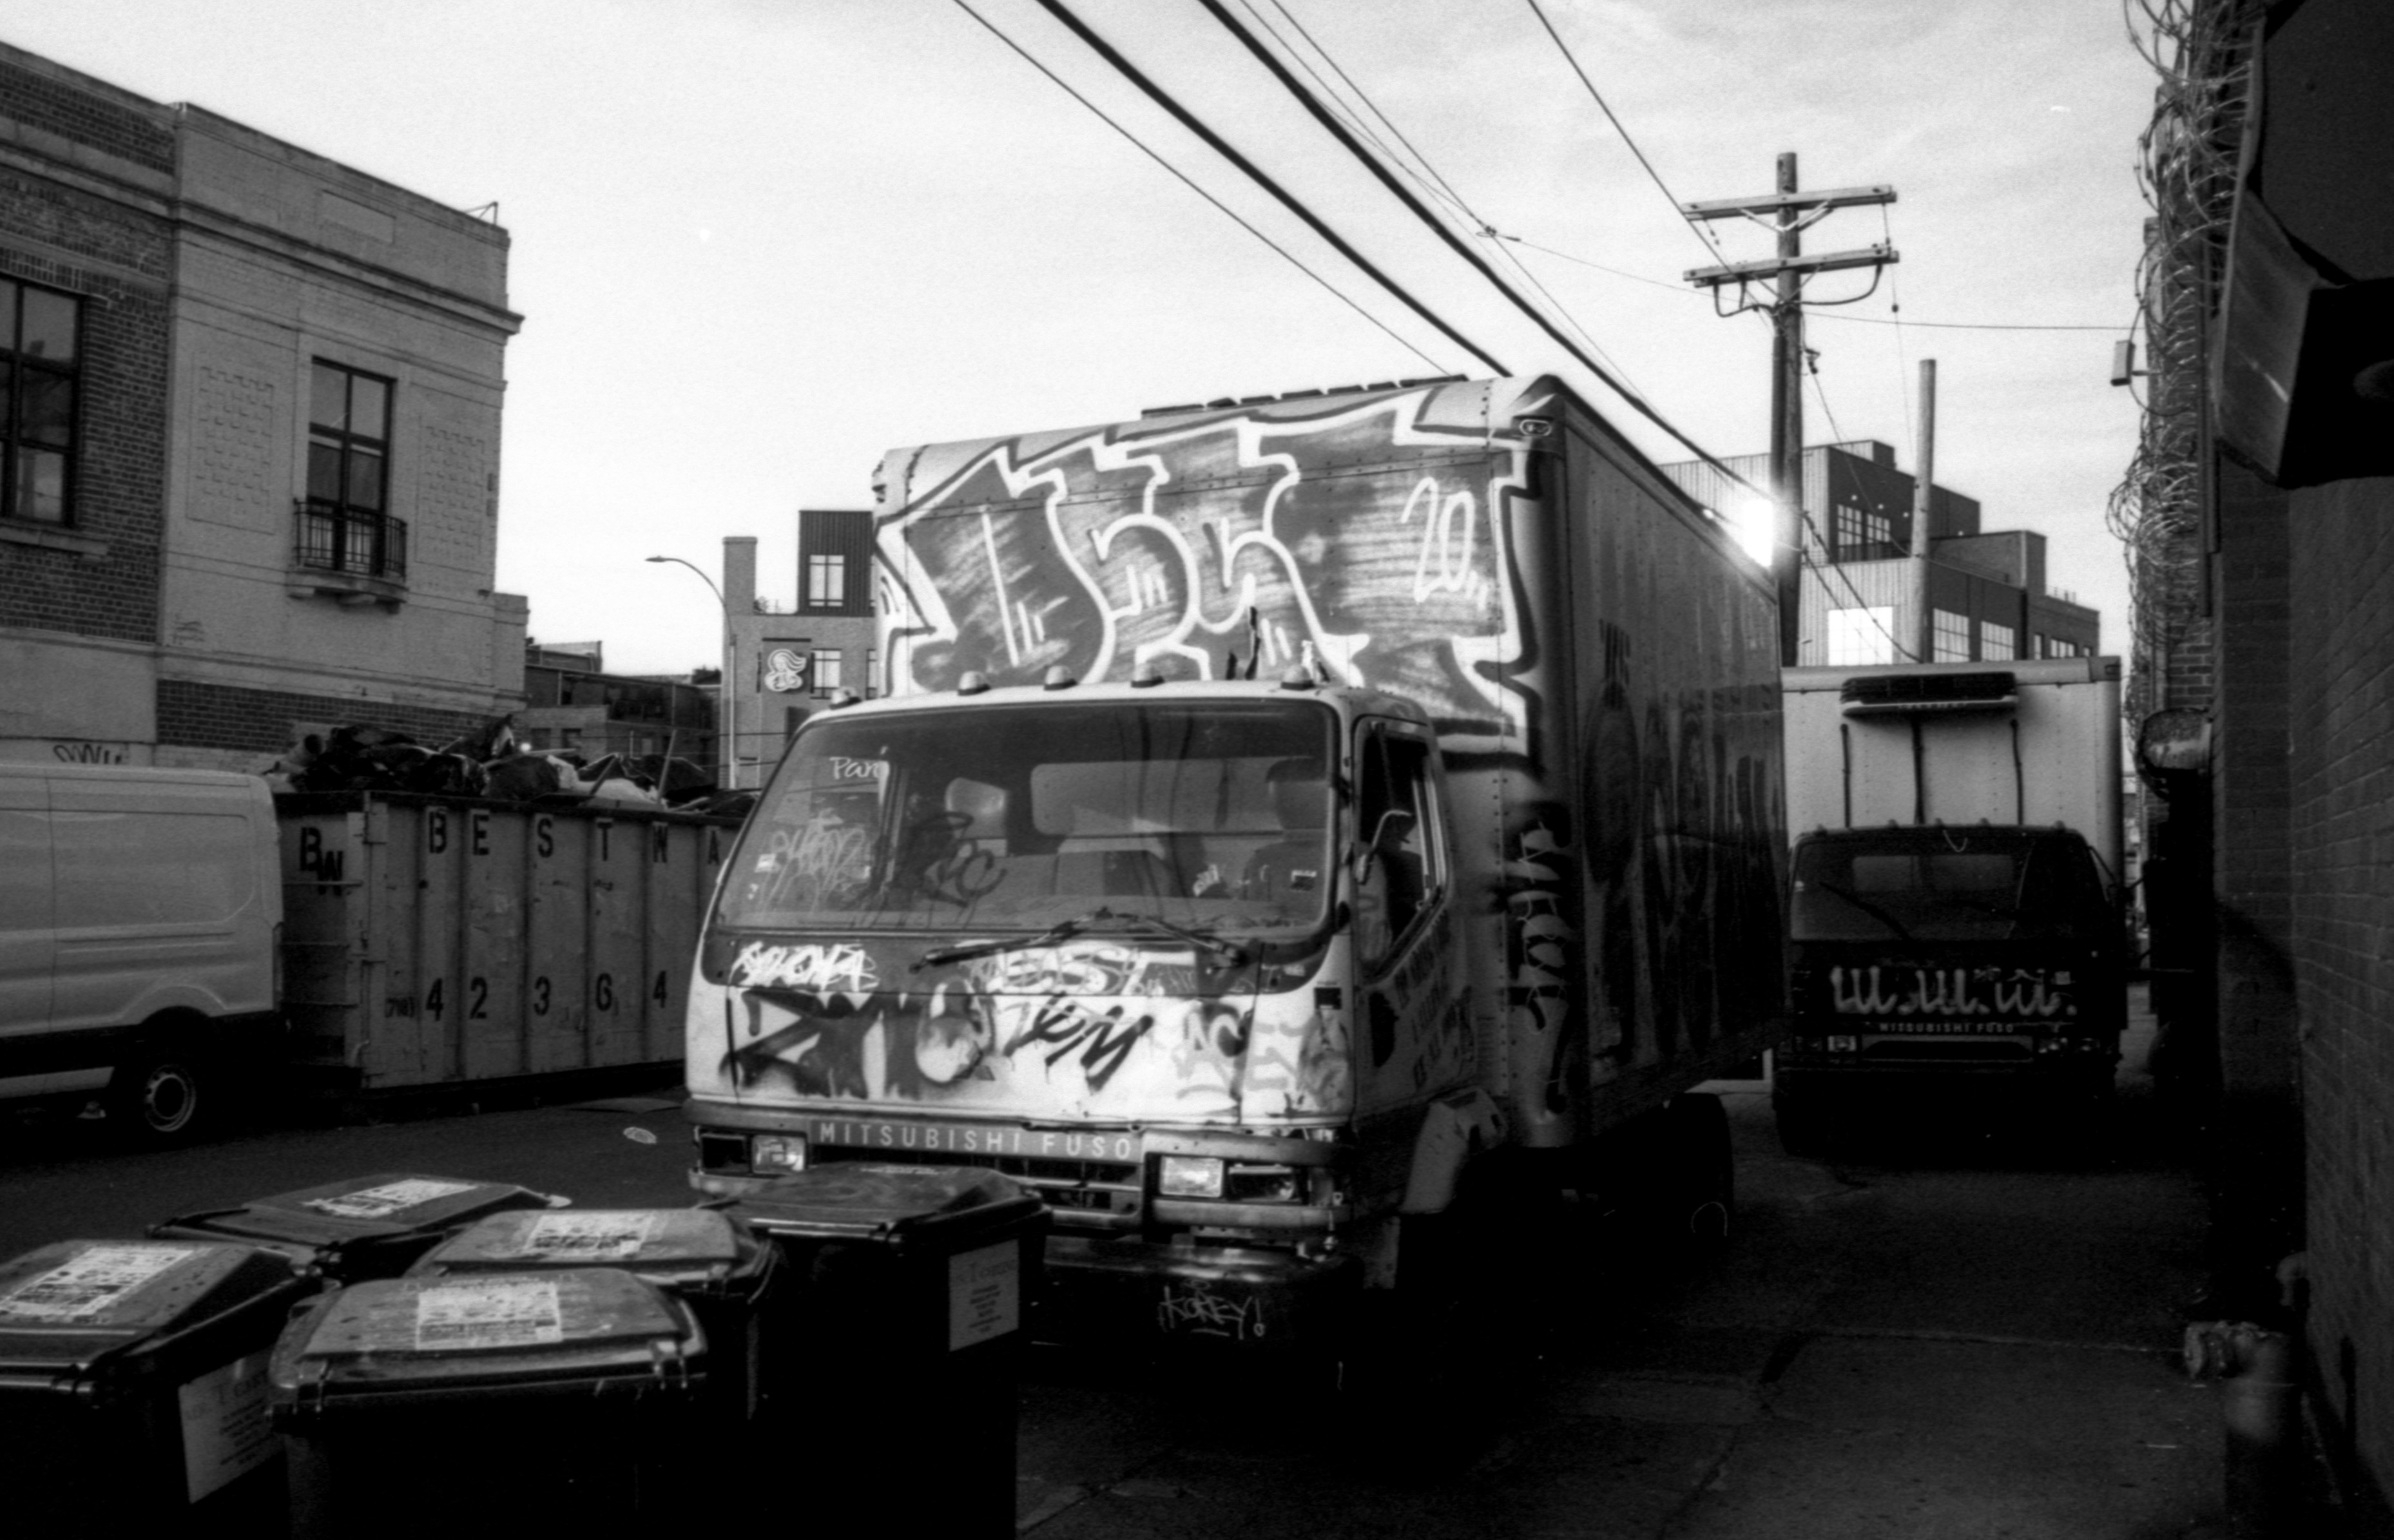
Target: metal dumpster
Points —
{"points": [[429, 942]]}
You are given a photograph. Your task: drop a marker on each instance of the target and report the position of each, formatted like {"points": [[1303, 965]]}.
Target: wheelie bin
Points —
{"points": [[711, 1262], [562, 1401], [893, 1351], [133, 1385], [360, 1228]]}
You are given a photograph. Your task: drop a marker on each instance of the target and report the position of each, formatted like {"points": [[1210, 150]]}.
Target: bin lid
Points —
{"points": [[394, 1337], [66, 1305], [360, 1209], [668, 1245], [895, 1202]]}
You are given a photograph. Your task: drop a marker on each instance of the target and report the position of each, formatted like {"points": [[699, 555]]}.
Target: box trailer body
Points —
{"points": [[1956, 903], [1277, 809], [434, 942]]}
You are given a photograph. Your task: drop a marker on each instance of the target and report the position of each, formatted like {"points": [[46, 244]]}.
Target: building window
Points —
{"points": [[1953, 636], [344, 526], [1862, 637], [1863, 535], [834, 553], [826, 670], [37, 417], [1995, 642], [826, 580]]}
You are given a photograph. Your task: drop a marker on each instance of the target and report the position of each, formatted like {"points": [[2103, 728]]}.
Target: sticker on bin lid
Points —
{"points": [[599, 1236], [92, 1283], [488, 1313], [381, 1203]]}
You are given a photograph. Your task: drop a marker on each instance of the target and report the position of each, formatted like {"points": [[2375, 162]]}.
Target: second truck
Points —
{"points": [[1955, 912], [1292, 820]]}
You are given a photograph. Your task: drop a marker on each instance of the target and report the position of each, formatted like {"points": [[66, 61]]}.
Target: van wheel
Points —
{"points": [[159, 1096]]}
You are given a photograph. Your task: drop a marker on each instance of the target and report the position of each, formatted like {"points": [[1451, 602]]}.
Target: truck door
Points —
{"points": [[1412, 1028]]}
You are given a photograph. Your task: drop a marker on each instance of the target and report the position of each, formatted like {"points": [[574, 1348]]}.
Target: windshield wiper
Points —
{"points": [[1202, 940], [939, 957]]}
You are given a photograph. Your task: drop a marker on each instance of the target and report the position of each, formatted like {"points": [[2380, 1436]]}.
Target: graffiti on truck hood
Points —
{"points": [[1100, 1029]]}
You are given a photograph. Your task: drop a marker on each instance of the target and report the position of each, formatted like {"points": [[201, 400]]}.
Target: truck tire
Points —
{"points": [[1706, 1193], [161, 1094]]}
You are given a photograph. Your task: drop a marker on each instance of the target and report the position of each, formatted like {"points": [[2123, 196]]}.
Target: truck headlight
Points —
{"points": [[1841, 1043], [1188, 1177], [770, 1153]]}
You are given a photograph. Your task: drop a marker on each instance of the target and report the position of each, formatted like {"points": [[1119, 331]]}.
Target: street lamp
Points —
{"points": [[730, 703]]}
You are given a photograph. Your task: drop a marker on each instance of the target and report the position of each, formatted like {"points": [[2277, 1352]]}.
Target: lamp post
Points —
{"points": [[730, 703]]}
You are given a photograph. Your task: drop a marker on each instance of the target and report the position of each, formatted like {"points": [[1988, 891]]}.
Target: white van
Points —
{"points": [[140, 932]]}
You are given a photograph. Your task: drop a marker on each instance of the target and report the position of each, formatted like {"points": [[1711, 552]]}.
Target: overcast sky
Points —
{"points": [[757, 245]]}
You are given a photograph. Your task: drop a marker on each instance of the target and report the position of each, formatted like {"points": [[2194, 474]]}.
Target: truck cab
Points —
{"points": [[1175, 955], [1978, 949]]}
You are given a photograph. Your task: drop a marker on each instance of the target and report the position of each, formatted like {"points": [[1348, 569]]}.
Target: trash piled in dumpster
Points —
{"points": [[394, 1351], [491, 764]]}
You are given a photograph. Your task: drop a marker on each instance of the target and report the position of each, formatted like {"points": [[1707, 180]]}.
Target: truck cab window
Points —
{"points": [[1393, 814]]}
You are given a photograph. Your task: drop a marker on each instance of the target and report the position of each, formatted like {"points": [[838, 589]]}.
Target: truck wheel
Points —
{"points": [[1708, 1192], [161, 1096]]}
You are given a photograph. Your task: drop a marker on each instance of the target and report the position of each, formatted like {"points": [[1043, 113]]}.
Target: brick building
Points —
{"points": [[787, 663], [572, 703], [249, 459], [2260, 514], [1987, 595]]}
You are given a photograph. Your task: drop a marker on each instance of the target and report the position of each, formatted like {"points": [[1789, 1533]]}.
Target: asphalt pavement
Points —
{"points": [[1955, 1329]]}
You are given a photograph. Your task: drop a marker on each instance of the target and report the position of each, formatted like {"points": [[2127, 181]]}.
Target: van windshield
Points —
{"points": [[1947, 885], [1209, 815]]}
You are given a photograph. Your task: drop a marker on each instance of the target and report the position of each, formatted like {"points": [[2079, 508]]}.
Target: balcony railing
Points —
{"points": [[334, 539]]}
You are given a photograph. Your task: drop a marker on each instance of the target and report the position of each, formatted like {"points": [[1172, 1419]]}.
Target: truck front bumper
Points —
{"points": [[1101, 1288], [1816, 1058]]}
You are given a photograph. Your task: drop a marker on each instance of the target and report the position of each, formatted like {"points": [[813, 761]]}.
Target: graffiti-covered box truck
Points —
{"points": [[1285, 814], [1955, 916]]}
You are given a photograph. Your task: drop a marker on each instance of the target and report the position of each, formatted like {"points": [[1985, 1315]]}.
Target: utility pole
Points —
{"points": [[1789, 213], [1924, 461]]}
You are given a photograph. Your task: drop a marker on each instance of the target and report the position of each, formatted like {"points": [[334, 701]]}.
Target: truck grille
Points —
{"points": [[1977, 1050], [1085, 1193]]}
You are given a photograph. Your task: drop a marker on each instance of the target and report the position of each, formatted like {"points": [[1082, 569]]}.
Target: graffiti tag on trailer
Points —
{"points": [[1155, 545]]}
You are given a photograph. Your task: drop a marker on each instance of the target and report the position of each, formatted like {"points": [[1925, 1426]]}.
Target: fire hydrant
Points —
{"points": [[2260, 1409]]}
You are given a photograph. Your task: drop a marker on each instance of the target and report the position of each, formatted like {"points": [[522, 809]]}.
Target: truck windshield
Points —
{"points": [[1947, 884], [1210, 816]]}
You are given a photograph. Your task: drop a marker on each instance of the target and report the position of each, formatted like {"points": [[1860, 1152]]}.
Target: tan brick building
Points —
{"points": [[251, 459]]}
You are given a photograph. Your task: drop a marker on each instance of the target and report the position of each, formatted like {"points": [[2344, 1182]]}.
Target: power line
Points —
{"points": [[1338, 130], [1430, 177], [1290, 200], [1703, 237], [1345, 298]]}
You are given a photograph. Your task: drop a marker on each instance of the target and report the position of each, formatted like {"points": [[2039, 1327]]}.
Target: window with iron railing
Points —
{"points": [[344, 522]]}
